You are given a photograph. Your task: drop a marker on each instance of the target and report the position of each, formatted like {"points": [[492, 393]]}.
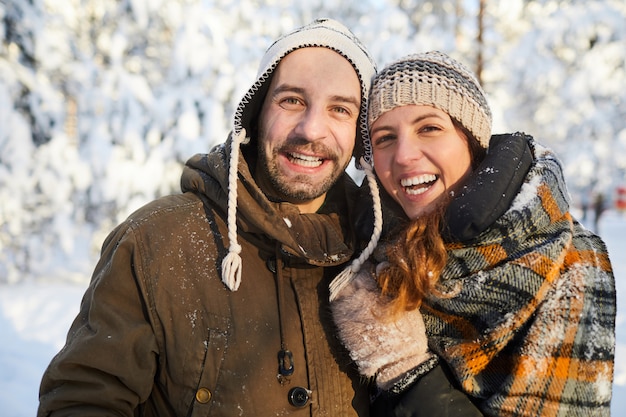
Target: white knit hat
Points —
{"points": [[325, 33]]}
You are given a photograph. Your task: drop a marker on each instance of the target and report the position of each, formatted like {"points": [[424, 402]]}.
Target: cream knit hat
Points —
{"points": [[325, 33], [434, 79]]}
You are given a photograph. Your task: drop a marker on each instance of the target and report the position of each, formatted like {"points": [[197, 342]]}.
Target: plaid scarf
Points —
{"points": [[529, 325]]}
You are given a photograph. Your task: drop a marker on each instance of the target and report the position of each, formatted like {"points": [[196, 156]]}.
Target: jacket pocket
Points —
{"points": [[216, 344]]}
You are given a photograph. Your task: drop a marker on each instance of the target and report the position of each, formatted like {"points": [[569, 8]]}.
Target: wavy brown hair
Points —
{"points": [[416, 259]]}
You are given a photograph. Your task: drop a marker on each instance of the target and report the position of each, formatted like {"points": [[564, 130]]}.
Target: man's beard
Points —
{"points": [[299, 188]]}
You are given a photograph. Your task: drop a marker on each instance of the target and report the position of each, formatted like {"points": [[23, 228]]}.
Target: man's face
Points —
{"points": [[307, 126]]}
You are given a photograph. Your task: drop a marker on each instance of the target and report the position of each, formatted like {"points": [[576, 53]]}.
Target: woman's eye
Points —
{"points": [[429, 129], [381, 140]]}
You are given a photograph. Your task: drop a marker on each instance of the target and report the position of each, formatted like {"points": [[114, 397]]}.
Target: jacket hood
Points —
{"points": [[321, 239]]}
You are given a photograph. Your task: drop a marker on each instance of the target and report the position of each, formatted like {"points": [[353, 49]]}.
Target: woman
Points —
{"points": [[516, 297]]}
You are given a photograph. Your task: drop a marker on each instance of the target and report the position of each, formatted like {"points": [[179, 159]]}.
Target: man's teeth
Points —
{"points": [[418, 185], [305, 160]]}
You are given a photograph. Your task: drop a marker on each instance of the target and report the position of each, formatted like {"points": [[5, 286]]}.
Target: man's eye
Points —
{"points": [[290, 100], [346, 112]]}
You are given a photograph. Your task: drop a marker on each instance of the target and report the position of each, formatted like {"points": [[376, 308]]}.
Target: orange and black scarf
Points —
{"points": [[529, 328]]}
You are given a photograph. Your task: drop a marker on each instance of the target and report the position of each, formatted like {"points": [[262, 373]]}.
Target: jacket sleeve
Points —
{"points": [[108, 363], [432, 395]]}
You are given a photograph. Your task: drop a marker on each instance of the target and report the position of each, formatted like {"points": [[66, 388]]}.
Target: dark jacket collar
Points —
{"points": [[323, 238], [489, 191]]}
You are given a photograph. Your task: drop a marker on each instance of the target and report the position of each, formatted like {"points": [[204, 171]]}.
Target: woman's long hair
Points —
{"points": [[415, 262], [418, 256]]}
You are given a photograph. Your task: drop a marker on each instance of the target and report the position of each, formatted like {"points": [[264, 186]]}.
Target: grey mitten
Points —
{"points": [[379, 345]]}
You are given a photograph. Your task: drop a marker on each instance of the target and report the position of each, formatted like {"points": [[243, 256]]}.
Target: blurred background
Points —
{"points": [[102, 101]]}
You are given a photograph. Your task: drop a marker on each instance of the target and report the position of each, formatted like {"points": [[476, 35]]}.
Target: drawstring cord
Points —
{"points": [[351, 270], [231, 265], [285, 357]]}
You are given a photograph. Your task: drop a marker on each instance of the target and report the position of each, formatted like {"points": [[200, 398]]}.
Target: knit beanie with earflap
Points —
{"points": [[326, 33], [433, 79]]}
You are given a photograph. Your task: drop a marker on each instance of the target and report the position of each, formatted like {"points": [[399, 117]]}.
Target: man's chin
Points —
{"points": [[301, 188], [303, 193]]}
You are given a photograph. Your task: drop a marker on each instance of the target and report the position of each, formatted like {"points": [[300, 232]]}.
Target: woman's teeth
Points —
{"points": [[418, 185]]}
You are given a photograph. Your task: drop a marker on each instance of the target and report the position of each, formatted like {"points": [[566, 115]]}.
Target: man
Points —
{"points": [[213, 302]]}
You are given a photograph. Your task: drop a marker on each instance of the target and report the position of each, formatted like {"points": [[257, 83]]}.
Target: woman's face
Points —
{"points": [[419, 155]]}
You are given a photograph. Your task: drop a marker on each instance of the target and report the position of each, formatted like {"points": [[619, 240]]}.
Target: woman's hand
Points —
{"points": [[381, 345]]}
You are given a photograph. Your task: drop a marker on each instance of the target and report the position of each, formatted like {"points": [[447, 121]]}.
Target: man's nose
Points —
{"points": [[313, 124]]}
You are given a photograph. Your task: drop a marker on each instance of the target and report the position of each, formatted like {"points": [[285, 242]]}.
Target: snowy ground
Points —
{"points": [[34, 319]]}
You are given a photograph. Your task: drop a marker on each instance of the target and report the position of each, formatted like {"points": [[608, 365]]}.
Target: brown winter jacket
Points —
{"points": [[158, 333]]}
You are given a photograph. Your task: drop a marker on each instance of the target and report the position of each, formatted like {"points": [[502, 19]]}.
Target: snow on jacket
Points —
{"points": [[158, 333], [532, 330]]}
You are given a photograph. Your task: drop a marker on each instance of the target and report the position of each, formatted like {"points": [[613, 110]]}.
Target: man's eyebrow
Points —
{"points": [[348, 99], [286, 88]]}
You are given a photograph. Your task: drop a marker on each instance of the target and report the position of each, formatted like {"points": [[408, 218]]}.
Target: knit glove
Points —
{"points": [[380, 346]]}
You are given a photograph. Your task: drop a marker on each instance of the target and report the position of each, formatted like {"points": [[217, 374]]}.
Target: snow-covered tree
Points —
{"points": [[561, 77], [103, 100]]}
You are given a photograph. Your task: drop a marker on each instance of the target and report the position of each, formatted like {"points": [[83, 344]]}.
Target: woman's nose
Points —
{"points": [[407, 150]]}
